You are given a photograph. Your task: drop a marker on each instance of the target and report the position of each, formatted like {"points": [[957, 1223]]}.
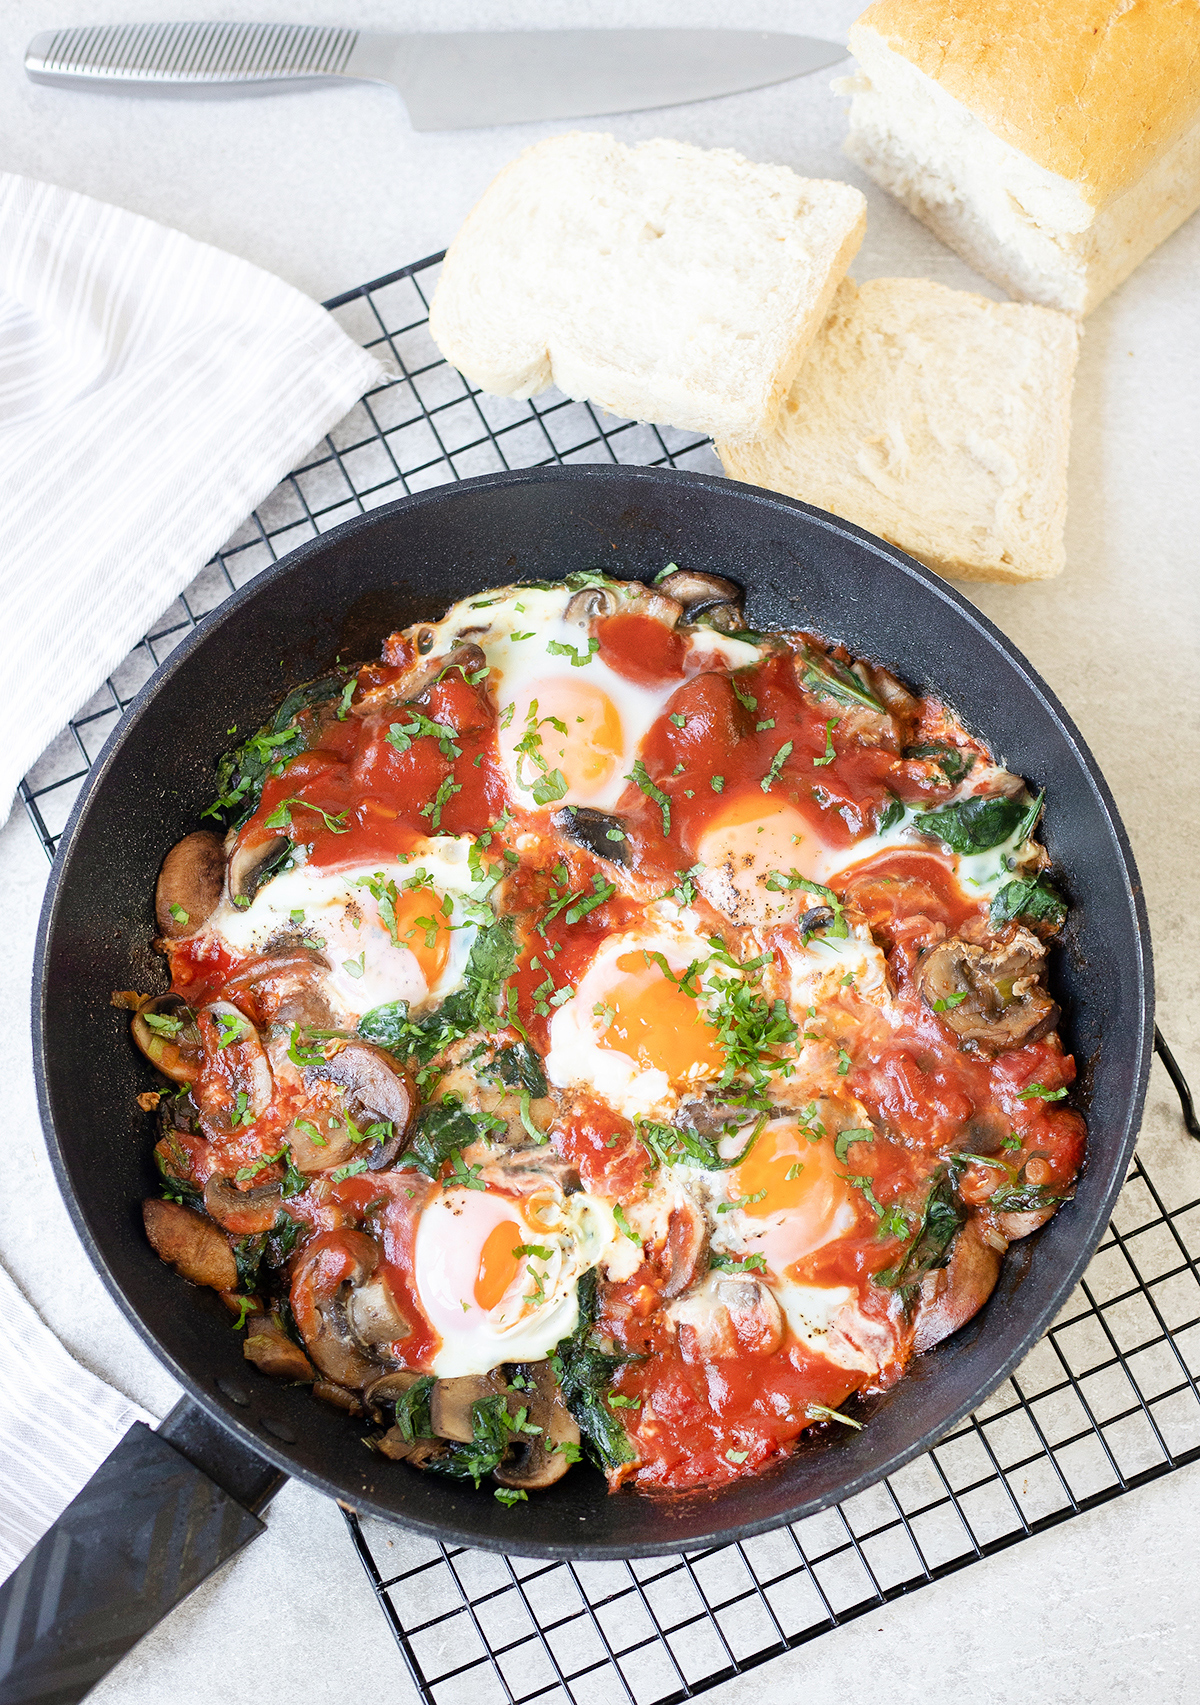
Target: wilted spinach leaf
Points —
{"points": [[585, 1374], [1029, 898]]}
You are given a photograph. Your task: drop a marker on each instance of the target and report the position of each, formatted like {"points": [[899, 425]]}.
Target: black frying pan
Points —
{"points": [[336, 597]]}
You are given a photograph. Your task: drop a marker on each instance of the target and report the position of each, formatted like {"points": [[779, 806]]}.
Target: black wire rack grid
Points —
{"points": [[1106, 1402]]}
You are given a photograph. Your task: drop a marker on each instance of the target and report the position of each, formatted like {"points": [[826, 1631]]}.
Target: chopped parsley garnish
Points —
{"points": [[777, 762], [281, 817], [347, 694], [719, 1263], [640, 775], [820, 1412], [231, 1027], [830, 754], [1039, 1092], [556, 648], [623, 1225], [844, 1139], [830, 679], [445, 793], [402, 734], [550, 785]]}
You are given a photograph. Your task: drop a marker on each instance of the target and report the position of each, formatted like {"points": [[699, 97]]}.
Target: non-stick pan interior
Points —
{"points": [[337, 597]]}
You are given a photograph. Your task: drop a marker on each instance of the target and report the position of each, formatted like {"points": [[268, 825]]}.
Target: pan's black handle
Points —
{"points": [[161, 1512]]}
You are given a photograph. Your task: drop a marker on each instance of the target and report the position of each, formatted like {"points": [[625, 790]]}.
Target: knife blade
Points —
{"points": [[453, 81]]}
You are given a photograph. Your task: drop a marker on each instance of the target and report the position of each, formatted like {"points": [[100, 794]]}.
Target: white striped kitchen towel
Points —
{"points": [[57, 1424], [153, 390]]}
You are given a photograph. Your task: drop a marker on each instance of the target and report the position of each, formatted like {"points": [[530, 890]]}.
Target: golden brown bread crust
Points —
{"points": [[1094, 90]]}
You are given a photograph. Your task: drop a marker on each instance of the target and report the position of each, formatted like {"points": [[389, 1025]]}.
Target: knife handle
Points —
{"points": [[190, 59]]}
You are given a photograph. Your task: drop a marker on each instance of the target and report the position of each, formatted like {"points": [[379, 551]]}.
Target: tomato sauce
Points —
{"points": [[911, 1104]]}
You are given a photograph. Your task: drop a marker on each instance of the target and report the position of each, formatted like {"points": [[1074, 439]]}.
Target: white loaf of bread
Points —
{"points": [[664, 282], [936, 419], [1052, 143]]}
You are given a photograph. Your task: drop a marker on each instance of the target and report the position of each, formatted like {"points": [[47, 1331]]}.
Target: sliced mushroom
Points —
{"points": [[425, 673], [243, 1213], [235, 1063], [196, 1248], [992, 997], [597, 831], [687, 1247], [451, 1401], [1017, 1225], [378, 1091], [328, 1392], [251, 862], [268, 1346], [589, 604], [189, 884], [710, 595], [727, 1315], [174, 1045], [418, 1452], [329, 1270], [388, 1389], [754, 1313], [953, 1294], [374, 1318], [533, 1459], [318, 1141], [285, 987]]}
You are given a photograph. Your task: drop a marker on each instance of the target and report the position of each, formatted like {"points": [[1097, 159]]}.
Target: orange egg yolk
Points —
{"points": [[422, 925], [498, 1263], [803, 1181], [579, 730], [658, 1025], [756, 833]]}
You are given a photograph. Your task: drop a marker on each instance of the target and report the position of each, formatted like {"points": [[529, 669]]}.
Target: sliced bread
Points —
{"points": [[936, 419], [664, 282], [1052, 145]]}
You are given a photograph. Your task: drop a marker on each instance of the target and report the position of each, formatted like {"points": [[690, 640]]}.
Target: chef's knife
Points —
{"points": [[449, 82]]}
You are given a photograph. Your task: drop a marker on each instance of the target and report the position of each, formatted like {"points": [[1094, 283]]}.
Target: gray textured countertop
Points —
{"points": [[331, 189]]}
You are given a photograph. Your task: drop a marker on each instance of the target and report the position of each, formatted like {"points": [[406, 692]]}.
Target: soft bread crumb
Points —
{"points": [[664, 282], [937, 420]]}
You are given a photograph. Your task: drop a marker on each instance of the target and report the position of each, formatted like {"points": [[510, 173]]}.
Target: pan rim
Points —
{"points": [[1139, 1047]]}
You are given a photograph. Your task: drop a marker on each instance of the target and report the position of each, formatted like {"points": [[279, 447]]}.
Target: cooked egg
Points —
{"points": [[630, 1033], [497, 1274], [828, 1321], [753, 841], [391, 932], [791, 1193]]}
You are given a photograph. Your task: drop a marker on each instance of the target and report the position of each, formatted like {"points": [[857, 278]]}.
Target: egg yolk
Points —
{"points": [[498, 1263], [575, 728], [799, 1181], [658, 1025], [422, 925]]}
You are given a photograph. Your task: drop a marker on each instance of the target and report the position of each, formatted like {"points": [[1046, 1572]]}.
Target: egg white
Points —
{"points": [[577, 1232], [343, 918], [577, 1060]]}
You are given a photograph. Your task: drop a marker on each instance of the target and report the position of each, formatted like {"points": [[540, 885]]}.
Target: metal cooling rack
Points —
{"points": [[1108, 1401]]}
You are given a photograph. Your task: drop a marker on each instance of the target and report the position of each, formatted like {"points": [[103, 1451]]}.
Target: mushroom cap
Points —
{"points": [[592, 830], [952, 1295], [176, 1057], [327, 1272], [248, 861], [197, 1249], [191, 880], [268, 1346], [244, 1213], [992, 997], [372, 1080], [705, 594], [533, 1461]]}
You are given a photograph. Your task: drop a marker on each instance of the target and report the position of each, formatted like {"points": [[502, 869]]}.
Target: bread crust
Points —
{"points": [[936, 419], [1094, 90], [663, 282]]}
